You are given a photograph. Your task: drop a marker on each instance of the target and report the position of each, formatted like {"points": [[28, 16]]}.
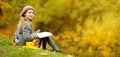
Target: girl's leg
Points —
{"points": [[39, 42], [52, 44], [44, 44]]}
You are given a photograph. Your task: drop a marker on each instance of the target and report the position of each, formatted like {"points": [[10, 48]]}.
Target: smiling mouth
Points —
{"points": [[31, 16]]}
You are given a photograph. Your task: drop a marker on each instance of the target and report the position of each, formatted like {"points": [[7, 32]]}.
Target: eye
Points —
{"points": [[33, 13], [29, 12]]}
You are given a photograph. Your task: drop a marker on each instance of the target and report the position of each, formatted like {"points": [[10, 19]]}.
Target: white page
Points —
{"points": [[44, 34]]}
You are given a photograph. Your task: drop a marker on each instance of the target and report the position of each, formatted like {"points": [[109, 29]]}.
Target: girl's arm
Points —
{"points": [[27, 32]]}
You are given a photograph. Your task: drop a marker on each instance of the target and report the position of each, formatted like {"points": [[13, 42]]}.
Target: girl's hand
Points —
{"points": [[38, 31]]}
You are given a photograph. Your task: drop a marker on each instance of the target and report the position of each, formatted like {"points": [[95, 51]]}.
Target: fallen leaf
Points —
{"points": [[44, 54]]}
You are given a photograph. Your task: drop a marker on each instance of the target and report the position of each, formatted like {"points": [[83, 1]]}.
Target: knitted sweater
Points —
{"points": [[25, 34]]}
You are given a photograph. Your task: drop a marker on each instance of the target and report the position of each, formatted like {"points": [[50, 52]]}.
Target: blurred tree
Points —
{"points": [[0, 11], [3, 5], [87, 28]]}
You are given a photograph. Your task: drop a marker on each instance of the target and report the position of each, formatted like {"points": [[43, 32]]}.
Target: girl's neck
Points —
{"points": [[29, 21]]}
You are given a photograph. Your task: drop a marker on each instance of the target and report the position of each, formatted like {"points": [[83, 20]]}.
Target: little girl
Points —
{"points": [[24, 32]]}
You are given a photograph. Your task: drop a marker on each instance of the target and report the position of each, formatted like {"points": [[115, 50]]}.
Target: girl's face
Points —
{"points": [[29, 14]]}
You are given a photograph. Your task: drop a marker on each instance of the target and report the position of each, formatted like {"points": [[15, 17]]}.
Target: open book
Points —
{"points": [[44, 34]]}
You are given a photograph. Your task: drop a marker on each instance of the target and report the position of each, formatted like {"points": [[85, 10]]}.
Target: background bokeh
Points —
{"points": [[85, 28]]}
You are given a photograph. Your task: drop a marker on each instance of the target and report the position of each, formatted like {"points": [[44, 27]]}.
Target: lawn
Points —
{"points": [[8, 50]]}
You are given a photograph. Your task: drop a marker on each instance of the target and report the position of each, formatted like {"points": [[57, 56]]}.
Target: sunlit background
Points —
{"points": [[85, 28]]}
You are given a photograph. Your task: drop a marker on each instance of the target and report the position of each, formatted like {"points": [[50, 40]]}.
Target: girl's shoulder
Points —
{"points": [[26, 24]]}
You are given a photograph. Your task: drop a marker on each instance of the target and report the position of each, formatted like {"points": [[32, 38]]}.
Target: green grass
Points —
{"points": [[7, 50]]}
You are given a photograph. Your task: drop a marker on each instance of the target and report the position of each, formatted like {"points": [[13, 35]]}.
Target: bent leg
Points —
{"points": [[52, 44]]}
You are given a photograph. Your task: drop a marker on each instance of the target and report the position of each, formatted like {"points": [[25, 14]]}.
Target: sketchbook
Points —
{"points": [[44, 34]]}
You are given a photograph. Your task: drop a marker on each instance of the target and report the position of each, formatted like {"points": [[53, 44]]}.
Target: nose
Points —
{"points": [[31, 14]]}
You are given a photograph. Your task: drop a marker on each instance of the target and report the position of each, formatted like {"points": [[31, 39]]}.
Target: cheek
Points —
{"points": [[33, 15], [27, 14]]}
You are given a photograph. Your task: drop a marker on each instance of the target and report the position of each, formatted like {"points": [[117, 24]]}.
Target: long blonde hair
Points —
{"points": [[21, 23], [23, 19]]}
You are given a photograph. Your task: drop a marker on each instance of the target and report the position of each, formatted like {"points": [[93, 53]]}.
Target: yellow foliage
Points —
{"points": [[74, 14], [106, 52], [96, 40], [6, 5], [31, 45], [87, 28]]}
